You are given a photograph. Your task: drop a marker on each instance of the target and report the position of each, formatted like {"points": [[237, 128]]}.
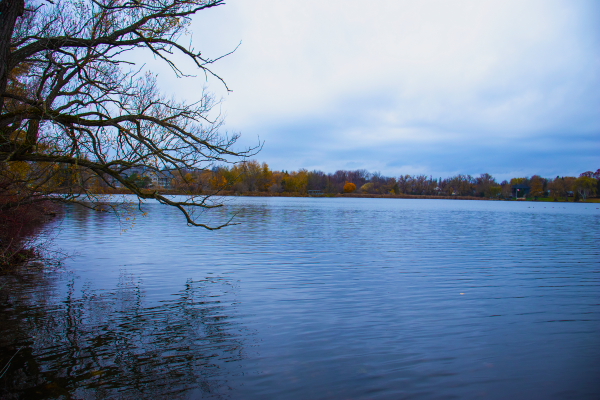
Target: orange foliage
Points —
{"points": [[218, 182], [349, 187]]}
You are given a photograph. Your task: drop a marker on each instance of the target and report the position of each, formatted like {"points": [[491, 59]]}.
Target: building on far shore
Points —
{"points": [[519, 191], [159, 179]]}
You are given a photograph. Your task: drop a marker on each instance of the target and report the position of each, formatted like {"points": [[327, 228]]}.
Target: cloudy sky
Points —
{"points": [[435, 87]]}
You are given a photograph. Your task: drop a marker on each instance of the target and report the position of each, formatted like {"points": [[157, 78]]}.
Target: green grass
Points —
{"points": [[562, 199]]}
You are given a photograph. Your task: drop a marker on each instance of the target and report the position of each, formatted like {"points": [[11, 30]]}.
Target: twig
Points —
{"points": [[5, 368]]}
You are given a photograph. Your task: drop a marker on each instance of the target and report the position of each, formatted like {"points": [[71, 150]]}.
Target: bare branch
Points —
{"points": [[77, 112]]}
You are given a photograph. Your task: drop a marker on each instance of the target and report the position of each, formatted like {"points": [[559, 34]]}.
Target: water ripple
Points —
{"points": [[316, 298]]}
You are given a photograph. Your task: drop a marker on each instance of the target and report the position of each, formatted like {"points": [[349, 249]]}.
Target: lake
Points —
{"points": [[314, 298]]}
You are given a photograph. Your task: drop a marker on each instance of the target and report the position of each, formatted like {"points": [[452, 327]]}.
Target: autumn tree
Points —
{"points": [[349, 187], [276, 186], [462, 185], [505, 189], [494, 191], [561, 186], [484, 184], [404, 183], [187, 182], [519, 181], [84, 103], [366, 188], [295, 182], [585, 186], [252, 173], [536, 186], [557, 188], [265, 179], [218, 182], [596, 176], [318, 180]]}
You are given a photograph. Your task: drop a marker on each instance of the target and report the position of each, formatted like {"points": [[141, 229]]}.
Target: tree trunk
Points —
{"points": [[10, 10]]}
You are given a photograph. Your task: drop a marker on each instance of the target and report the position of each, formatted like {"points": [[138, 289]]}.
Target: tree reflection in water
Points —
{"points": [[86, 343]]}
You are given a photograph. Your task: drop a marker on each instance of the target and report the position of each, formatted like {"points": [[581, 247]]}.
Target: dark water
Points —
{"points": [[315, 299]]}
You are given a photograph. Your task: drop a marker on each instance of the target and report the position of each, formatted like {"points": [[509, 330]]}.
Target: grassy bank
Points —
{"points": [[562, 200]]}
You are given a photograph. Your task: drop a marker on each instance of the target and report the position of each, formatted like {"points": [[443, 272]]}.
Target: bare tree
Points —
{"points": [[72, 99]]}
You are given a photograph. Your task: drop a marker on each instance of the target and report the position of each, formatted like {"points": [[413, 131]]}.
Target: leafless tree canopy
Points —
{"points": [[71, 95]]}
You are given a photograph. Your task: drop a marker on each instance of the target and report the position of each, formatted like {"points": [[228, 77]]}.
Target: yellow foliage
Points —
{"points": [[217, 182], [367, 187], [295, 182], [536, 186]]}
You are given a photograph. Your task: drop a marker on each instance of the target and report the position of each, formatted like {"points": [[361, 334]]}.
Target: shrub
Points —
{"points": [[366, 188], [349, 187]]}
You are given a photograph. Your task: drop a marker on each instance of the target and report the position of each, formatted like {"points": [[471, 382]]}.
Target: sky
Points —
{"points": [[511, 88]]}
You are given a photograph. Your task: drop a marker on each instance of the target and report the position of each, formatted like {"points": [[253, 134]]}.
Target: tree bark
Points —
{"points": [[10, 10]]}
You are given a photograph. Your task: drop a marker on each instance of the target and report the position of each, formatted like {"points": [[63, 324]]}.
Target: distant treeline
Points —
{"points": [[252, 176]]}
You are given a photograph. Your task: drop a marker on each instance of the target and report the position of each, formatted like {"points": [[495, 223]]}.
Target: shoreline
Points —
{"points": [[229, 193]]}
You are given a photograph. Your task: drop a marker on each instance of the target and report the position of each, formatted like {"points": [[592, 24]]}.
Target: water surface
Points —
{"points": [[314, 298]]}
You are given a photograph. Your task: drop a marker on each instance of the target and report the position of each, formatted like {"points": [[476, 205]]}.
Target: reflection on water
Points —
{"points": [[315, 298], [115, 344]]}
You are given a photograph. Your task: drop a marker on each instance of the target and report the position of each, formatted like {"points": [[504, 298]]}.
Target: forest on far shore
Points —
{"points": [[253, 176]]}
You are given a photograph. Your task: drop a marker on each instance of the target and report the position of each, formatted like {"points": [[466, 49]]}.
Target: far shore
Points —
{"points": [[339, 195]]}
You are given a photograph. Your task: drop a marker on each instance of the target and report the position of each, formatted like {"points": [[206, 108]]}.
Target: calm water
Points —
{"points": [[315, 298]]}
